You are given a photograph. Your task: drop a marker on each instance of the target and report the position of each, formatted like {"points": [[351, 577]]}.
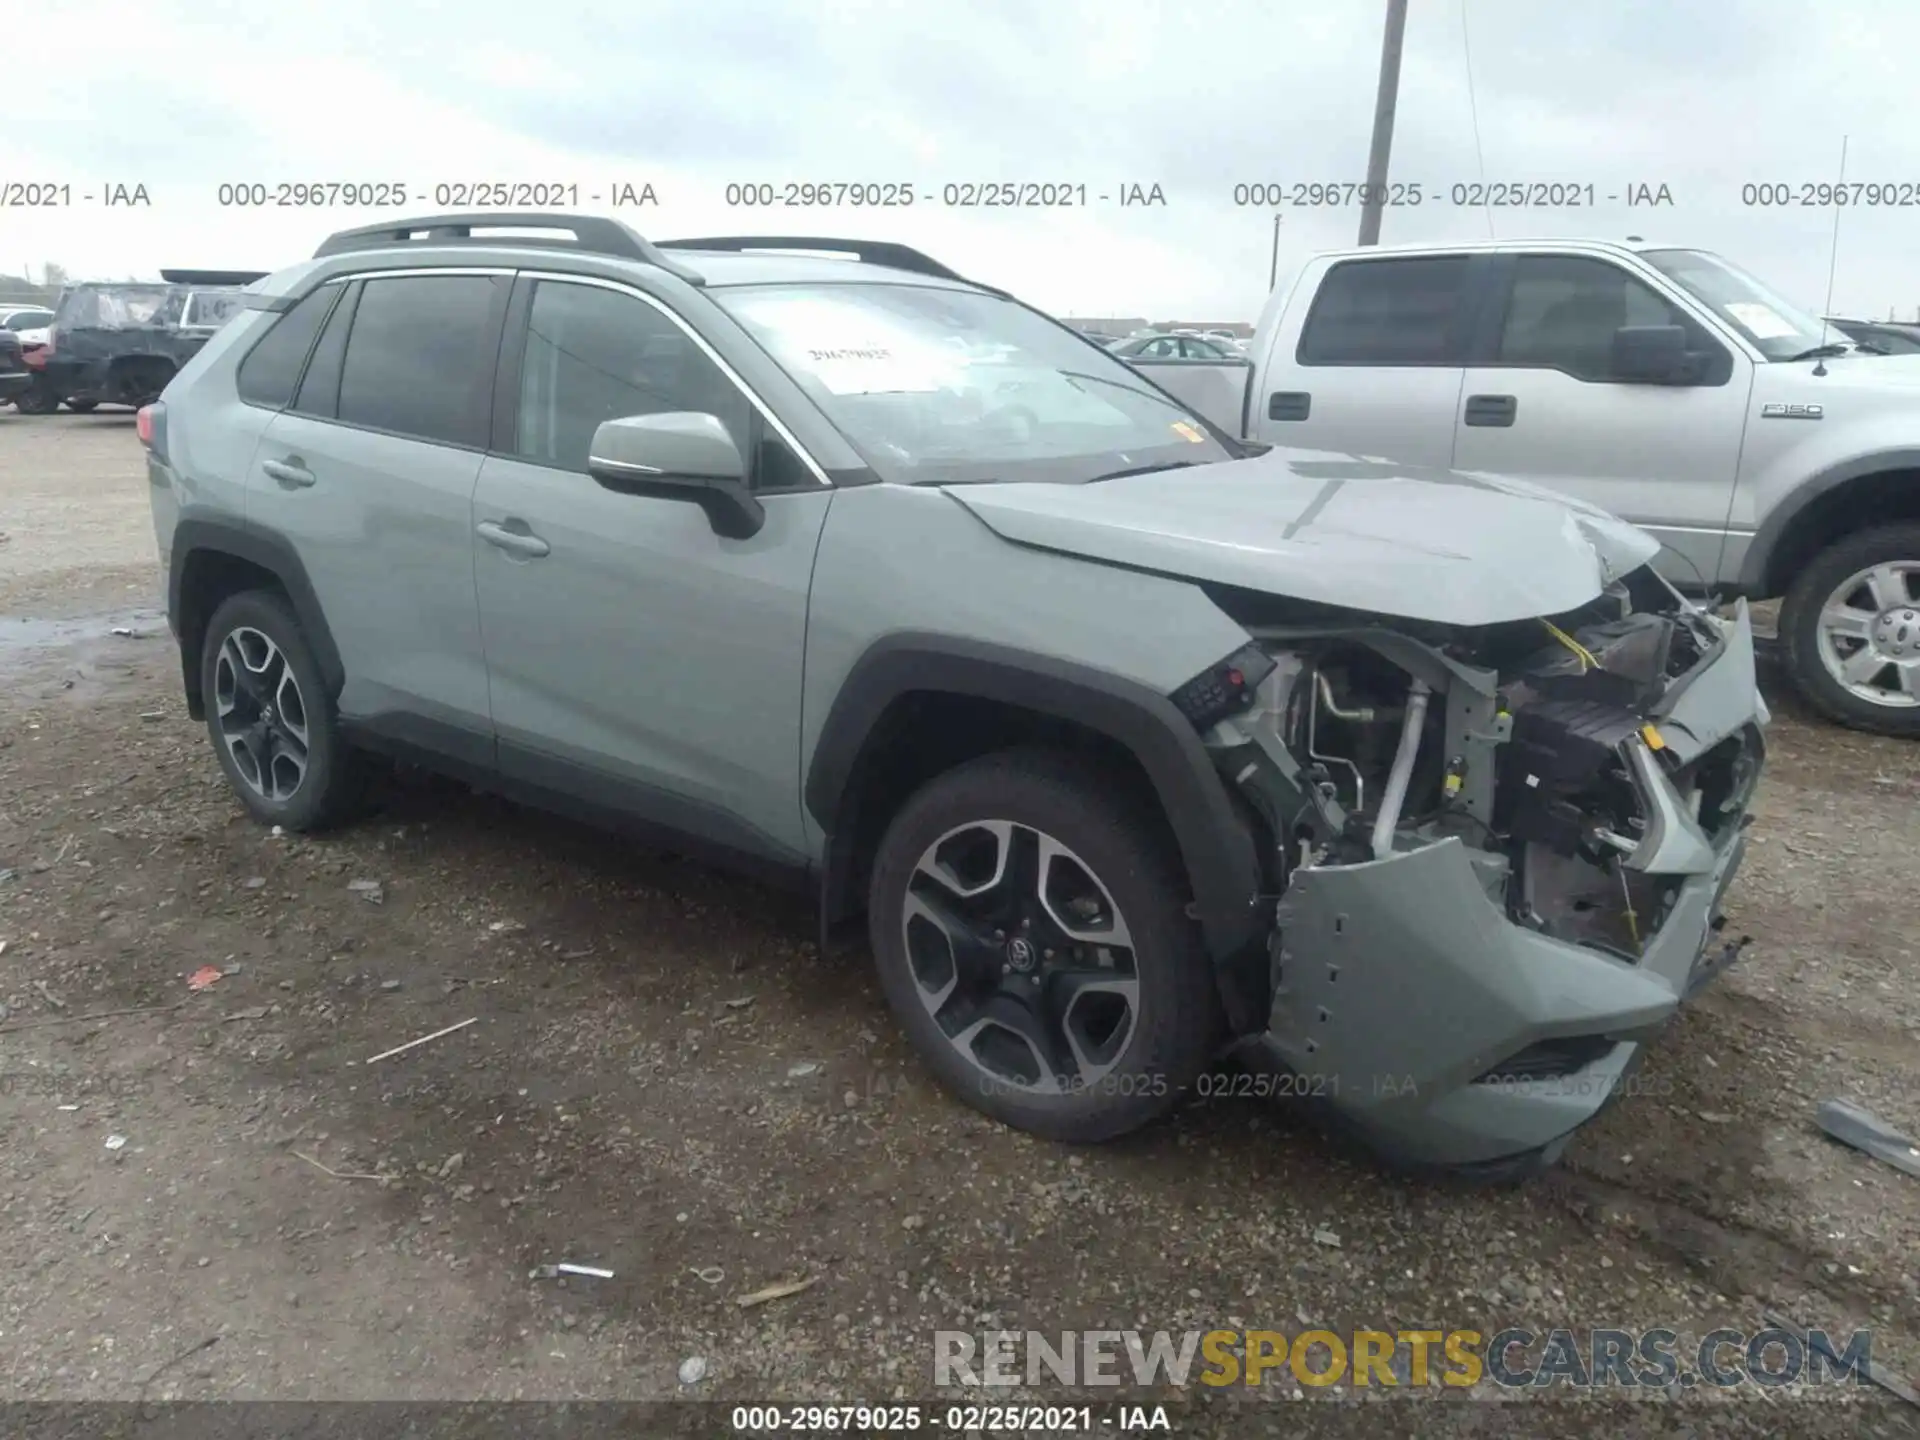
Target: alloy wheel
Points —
{"points": [[1869, 634], [1019, 953], [262, 714]]}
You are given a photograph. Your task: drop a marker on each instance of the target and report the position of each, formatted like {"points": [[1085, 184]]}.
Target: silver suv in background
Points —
{"points": [[1134, 743]]}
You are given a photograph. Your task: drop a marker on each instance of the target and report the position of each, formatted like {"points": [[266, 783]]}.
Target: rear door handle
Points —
{"points": [[1289, 405], [289, 472], [514, 542], [1492, 409]]}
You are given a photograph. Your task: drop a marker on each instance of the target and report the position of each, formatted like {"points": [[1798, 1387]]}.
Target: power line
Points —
{"points": [[1473, 109]]}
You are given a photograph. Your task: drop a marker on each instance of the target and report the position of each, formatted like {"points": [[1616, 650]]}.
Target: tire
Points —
{"points": [[36, 399], [258, 626], [1112, 1075], [82, 407], [1892, 629]]}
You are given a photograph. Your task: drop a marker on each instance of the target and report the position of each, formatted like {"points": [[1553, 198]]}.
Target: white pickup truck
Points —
{"points": [[1768, 454]]}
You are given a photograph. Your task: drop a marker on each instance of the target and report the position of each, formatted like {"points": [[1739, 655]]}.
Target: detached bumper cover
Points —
{"points": [[1401, 982]]}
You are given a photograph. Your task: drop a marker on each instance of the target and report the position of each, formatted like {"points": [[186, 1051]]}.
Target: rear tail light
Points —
{"points": [[151, 423]]}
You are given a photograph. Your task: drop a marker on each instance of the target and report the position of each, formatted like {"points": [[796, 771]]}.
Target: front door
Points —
{"points": [[1543, 404], [636, 659]]}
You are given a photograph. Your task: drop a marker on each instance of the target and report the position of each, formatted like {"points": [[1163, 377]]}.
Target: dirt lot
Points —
{"points": [[668, 1080]]}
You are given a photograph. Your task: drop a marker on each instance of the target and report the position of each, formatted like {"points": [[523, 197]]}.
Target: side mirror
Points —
{"points": [[1650, 354], [680, 455]]}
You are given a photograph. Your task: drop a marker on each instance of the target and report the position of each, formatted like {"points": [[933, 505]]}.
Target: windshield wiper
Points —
{"points": [[1830, 351], [1144, 470]]}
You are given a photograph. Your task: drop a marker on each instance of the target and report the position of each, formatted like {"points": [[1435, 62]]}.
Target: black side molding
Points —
{"points": [[201, 542], [1214, 845]]}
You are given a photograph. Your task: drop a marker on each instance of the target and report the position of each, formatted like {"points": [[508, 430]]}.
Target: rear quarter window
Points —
{"points": [[272, 368]]}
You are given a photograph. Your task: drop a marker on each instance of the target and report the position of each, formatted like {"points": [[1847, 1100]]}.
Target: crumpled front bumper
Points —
{"points": [[1401, 983]]}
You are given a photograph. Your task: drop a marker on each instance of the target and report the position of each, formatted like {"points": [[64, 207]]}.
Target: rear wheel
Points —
{"points": [[1031, 935], [272, 727], [1850, 626], [37, 399]]}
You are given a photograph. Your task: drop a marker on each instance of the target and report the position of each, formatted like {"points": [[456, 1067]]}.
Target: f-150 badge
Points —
{"points": [[1792, 412]]}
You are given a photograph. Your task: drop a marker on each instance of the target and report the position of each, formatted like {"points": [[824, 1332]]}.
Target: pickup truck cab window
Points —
{"points": [[1411, 311], [938, 386], [1562, 312]]}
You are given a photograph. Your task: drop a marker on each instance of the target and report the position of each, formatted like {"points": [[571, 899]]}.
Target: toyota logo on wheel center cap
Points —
{"points": [[1020, 953]]}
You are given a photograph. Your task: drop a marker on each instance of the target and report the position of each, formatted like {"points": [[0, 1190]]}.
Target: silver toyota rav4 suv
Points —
{"points": [[1141, 748]]}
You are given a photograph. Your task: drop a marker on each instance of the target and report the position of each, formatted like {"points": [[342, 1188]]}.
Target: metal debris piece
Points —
{"points": [[1867, 1133], [777, 1292], [554, 1272], [401, 1049]]}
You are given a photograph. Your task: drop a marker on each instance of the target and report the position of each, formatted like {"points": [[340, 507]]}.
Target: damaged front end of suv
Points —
{"points": [[1498, 852]]}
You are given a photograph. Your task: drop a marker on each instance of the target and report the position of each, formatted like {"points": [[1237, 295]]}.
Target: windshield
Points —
{"points": [[120, 308], [1777, 328], [937, 386]]}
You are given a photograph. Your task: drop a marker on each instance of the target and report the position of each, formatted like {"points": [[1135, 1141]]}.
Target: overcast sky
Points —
{"points": [[1196, 96]]}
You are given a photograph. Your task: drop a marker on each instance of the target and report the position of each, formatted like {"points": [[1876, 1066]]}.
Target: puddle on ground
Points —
{"points": [[19, 634], [64, 654]]}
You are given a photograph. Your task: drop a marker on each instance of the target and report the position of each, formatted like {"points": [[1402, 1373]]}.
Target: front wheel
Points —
{"points": [[272, 728], [1850, 627], [1031, 935]]}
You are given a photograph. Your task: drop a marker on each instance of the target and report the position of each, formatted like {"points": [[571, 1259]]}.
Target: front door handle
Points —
{"points": [[1492, 409], [289, 472], [514, 542]]}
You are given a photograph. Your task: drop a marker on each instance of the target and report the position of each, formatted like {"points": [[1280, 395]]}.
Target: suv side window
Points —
{"points": [[1410, 311], [1563, 310], [272, 367], [420, 357], [594, 355]]}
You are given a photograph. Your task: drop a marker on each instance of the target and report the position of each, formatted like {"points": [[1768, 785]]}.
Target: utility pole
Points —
{"points": [[1273, 268], [1375, 199]]}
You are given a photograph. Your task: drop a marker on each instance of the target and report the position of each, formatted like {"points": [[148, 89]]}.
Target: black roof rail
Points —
{"points": [[594, 234], [213, 277], [870, 252]]}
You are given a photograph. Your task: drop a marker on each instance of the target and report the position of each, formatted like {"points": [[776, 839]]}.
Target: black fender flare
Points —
{"points": [[1780, 523], [197, 537], [1215, 846]]}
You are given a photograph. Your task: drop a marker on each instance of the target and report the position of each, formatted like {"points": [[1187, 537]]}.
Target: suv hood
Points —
{"points": [[1425, 544]]}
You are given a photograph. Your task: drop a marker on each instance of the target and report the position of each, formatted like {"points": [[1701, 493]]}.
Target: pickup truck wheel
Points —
{"points": [[1032, 937], [82, 407], [1850, 627], [272, 729], [37, 399]]}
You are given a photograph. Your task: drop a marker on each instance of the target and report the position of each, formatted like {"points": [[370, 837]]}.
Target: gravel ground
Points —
{"points": [[667, 1078]]}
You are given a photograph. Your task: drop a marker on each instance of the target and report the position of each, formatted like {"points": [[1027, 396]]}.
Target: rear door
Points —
{"points": [[1377, 364], [370, 476], [1541, 402]]}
